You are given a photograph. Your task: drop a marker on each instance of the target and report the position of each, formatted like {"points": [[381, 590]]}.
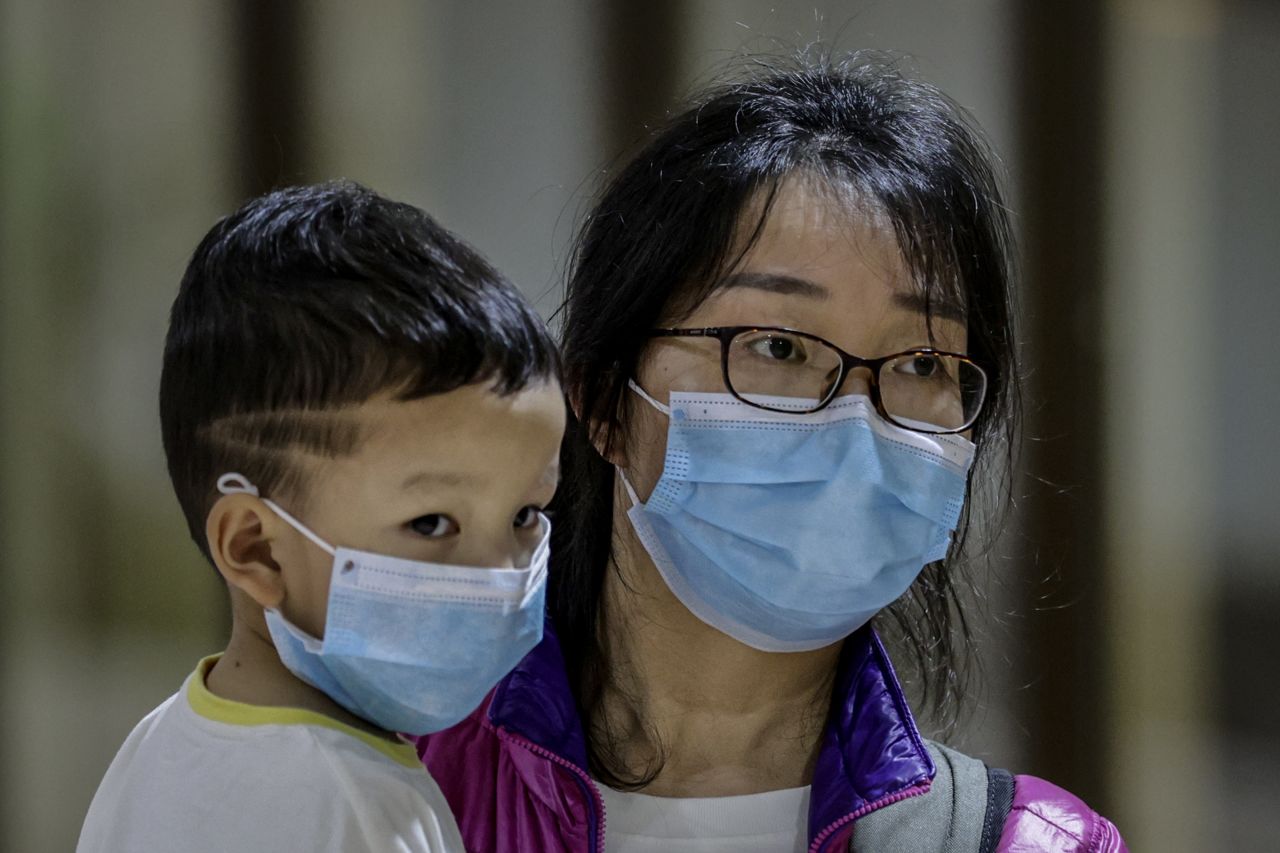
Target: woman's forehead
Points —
{"points": [[811, 238], [810, 249]]}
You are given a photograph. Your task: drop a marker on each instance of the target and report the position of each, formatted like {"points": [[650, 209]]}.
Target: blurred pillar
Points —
{"points": [[1245, 118], [641, 49], [1061, 79], [1160, 300], [271, 42]]}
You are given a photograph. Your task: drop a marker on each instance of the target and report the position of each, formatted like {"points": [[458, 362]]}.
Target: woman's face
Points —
{"points": [[815, 268]]}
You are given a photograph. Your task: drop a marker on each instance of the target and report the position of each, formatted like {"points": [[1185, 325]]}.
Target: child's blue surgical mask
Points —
{"points": [[411, 646], [790, 531]]}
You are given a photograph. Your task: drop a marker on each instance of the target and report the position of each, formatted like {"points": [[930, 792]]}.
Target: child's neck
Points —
{"points": [[251, 671]]}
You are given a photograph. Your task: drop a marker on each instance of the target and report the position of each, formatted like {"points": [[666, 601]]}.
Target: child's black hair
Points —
{"points": [[313, 299]]}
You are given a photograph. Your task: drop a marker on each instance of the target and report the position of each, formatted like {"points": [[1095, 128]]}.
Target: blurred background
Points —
{"points": [[1130, 637]]}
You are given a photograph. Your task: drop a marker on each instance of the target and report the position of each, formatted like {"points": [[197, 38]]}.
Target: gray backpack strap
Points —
{"points": [[951, 818], [999, 804]]}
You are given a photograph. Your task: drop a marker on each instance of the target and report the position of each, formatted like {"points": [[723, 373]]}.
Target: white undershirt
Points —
{"points": [[772, 822]]}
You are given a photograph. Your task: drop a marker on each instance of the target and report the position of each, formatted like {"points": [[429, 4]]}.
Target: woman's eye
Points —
{"points": [[435, 526], [923, 366], [778, 348], [530, 516]]}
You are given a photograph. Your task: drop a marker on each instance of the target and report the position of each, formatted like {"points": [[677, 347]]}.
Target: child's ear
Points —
{"points": [[241, 546]]}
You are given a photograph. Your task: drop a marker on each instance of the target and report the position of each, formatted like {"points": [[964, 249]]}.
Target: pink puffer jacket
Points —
{"points": [[515, 774]]}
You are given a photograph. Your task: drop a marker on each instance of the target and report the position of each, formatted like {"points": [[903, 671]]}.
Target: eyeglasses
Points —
{"points": [[783, 370]]}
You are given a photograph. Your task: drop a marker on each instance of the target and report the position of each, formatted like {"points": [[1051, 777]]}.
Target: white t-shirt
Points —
{"points": [[772, 822], [202, 773]]}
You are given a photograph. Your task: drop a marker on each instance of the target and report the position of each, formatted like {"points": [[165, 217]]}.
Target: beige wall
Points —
{"points": [[112, 159]]}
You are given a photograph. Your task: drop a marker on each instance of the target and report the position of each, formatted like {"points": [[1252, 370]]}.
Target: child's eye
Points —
{"points": [[530, 516], [436, 525]]}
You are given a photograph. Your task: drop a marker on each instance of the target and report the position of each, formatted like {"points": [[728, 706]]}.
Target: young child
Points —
{"points": [[362, 421]]}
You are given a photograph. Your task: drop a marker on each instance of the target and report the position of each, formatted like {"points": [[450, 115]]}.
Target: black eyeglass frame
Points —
{"points": [[848, 361]]}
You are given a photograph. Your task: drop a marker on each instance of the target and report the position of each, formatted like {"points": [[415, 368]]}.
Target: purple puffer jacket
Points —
{"points": [[514, 772]]}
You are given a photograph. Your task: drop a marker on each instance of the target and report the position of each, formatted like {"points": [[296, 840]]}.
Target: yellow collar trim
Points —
{"points": [[221, 710]]}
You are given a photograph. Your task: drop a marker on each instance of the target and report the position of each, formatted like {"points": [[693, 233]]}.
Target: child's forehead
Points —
{"points": [[476, 403], [459, 427]]}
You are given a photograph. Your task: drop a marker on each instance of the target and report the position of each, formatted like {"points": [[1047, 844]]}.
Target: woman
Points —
{"points": [[788, 340]]}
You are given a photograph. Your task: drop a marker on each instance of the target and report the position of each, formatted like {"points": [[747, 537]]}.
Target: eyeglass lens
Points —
{"points": [[929, 392]]}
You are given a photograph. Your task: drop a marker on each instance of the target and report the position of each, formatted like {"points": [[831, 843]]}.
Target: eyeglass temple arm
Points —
{"points": [[712, 332]]}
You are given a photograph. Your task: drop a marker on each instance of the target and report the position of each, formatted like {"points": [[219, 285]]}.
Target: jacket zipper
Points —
{"points": [[581, 777], [598, 801], [888, 800]]}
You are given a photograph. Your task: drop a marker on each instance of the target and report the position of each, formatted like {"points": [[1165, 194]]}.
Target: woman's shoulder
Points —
{"points": [[989, 810], [1043, 816]]}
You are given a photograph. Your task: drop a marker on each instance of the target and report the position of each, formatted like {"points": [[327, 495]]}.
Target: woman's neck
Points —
{"points": [[720, 717]]}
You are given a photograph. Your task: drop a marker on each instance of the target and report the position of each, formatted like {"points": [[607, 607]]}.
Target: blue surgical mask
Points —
{"points": [[788, 532], [411, 646]]}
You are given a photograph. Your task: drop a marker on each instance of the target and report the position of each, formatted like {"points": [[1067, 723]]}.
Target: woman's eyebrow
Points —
{"points": [[775, 283], [945, 309], [791, 285]]}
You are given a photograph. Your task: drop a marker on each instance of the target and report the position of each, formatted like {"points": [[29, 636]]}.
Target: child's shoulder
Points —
{"points": [[248, 777], [295, 750], [155, 724]]}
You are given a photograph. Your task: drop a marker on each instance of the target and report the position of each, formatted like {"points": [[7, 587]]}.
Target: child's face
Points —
{"points": [[455, 478]]}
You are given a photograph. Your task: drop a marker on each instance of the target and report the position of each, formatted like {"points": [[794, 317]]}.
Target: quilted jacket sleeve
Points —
{"points": [[1046, 819]]}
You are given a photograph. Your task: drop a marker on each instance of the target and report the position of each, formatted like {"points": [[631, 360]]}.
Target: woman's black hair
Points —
{"points": [[664, 232]]}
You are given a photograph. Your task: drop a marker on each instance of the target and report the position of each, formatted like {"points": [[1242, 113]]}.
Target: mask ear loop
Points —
{"points": [[238, 484], [544, 545], [634, 386], [666, 410], [626, 484], [631, 383]]}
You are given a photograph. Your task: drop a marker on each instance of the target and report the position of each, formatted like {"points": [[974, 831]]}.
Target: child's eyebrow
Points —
{"points": [[423, 479]]}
